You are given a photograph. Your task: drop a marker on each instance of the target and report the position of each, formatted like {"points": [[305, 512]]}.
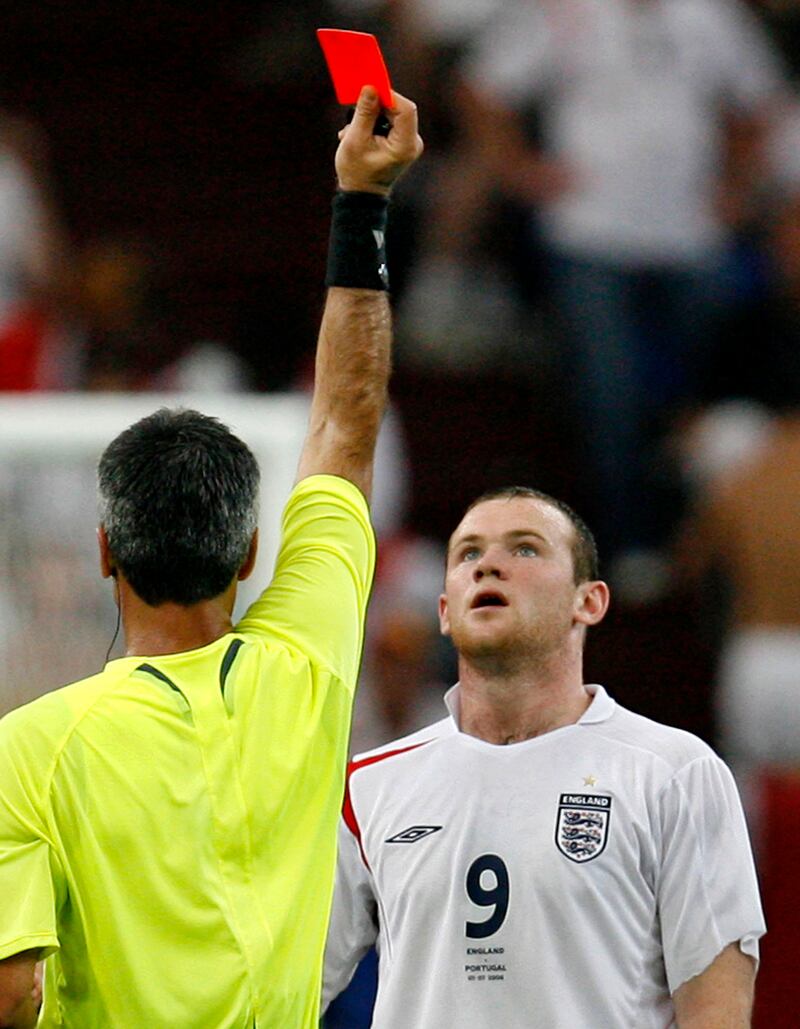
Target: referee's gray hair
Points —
{"points": [[178, 498]]}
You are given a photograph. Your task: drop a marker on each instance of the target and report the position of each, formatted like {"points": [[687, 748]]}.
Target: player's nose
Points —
{"points": [[490, 563]]}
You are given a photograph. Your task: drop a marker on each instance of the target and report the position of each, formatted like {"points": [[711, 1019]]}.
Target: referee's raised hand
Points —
{"points": [[368, 163]]}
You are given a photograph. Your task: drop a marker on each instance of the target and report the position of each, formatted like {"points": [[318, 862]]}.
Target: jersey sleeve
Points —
{"points": [[514, 60], [707, 889], [317, 600], [747, 67], [353, 927], [27, 891]]}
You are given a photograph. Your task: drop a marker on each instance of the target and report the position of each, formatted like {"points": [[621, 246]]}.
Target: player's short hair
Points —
{"points": [[585, 560], [178, 498]]}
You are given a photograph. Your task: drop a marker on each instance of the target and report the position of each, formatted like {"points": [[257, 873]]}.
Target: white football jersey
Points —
{"points": [[570, 881]]}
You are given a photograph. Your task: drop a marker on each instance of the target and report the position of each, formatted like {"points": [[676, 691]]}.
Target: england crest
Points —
{"points": [[582, 825]]}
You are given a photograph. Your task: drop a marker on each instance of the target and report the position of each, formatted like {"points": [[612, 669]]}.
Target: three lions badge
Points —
{"points": [[582, 825]]}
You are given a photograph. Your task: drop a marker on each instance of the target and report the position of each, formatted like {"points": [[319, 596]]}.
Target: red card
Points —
{"points": [[354, 61]]}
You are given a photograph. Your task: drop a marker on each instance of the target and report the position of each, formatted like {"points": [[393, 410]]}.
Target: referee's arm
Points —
{"points": [[353, 350], [20, 995], [721, 997]]}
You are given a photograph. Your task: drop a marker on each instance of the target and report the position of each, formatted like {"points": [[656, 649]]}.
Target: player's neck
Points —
{"points": [[518, 706], [172, 628]]}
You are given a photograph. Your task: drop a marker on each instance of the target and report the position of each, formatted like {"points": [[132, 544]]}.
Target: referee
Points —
{"points": [[167, 826]]}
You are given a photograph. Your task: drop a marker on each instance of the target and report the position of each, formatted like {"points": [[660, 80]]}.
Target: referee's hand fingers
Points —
{"points": [[404, 135], [362, 125], [372, 163]]}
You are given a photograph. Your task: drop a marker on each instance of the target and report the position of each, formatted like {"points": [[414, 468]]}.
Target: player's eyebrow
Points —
{"points": [[512, 534], [519, 533]]}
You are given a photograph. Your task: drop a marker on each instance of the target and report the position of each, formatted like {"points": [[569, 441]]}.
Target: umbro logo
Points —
{"points": [[413, 833]]}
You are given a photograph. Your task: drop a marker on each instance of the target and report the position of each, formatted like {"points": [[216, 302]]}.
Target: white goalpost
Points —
{"points": [[57, 615]]}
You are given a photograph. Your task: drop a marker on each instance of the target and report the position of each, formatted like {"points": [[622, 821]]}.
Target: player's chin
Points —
{"points": [[481, 640]]}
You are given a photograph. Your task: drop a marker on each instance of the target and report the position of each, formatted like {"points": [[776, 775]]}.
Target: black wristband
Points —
{"points": [[357, 246]]}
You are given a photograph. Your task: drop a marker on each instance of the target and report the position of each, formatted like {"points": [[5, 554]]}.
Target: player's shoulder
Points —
{"points": [[675, 748], [402, 749]]}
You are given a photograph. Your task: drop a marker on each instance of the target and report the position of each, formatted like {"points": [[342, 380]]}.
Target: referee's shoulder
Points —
{"points": [[54, 713]]}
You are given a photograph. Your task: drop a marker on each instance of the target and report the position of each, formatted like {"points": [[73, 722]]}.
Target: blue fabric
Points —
{"points": [[352, 1009]]}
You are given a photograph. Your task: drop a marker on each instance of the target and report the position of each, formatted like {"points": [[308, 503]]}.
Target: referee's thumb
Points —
{"points": [[367, 110]]}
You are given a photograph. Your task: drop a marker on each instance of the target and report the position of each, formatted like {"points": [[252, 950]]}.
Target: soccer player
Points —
{"points": [[168, 826], [542, 858]]}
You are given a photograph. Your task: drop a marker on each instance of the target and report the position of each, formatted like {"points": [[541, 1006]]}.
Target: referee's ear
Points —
{"points": [[250, 561], [107, 568]]}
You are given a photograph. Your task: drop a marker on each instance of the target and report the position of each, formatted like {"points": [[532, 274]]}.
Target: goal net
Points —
{"points": [[57, 615]]}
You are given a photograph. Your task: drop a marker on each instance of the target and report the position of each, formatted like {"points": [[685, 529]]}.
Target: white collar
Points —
{"points": [[600, 709]]}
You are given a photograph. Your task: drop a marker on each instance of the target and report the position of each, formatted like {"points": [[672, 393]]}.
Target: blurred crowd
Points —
{"points": [[596, 279]]}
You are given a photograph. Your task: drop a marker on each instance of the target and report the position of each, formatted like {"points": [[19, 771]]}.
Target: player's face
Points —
{"points": [[509, 585]]}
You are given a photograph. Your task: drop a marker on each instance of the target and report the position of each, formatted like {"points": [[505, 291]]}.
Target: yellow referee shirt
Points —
{"points": [[167, 827]]}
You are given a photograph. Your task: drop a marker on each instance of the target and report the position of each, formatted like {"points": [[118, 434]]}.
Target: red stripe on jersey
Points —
{"points": [[348, 814]]}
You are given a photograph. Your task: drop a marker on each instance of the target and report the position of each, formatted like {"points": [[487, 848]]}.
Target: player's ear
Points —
{"points": [[250, 561], [591, 602], [444, 617], [107, 568]]}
